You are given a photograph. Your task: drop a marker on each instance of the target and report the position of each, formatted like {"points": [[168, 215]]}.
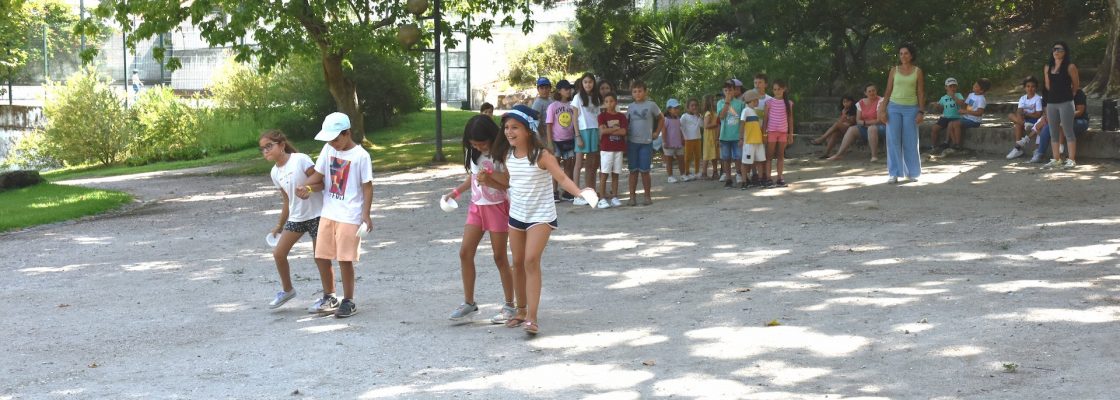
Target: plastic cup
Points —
{"points": [[272, 239], [591, 197], [363, 229], [448, 204]]}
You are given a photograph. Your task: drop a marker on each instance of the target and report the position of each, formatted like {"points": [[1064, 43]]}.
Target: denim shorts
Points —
{"points": [[882, 132], [968, 123], [639, 156], [730, 150], [942, 122], [565, 149]]}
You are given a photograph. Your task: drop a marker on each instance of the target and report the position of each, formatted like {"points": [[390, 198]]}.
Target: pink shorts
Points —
{"points": [[490, 217], [777, 137], [337, 241]]}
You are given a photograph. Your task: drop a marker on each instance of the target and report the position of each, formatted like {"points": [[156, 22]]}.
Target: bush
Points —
{"points": [[19, 179], [86, 121], [29, 151], [167, 129]]}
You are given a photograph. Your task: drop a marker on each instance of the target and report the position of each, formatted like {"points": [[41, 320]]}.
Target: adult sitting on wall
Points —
{"points": [[1062, 82], [868, 127]]}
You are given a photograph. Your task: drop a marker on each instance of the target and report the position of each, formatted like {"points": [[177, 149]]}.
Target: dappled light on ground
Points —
{"points": [[780, 373], [743, 342], [1094, 315], [598, 341], [645, 276], [531, 381], [224, 196]]}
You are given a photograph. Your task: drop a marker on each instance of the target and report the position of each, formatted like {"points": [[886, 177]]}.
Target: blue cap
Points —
{"points": [[672, 103], [564, 84], [542, 81], [525, 115]]}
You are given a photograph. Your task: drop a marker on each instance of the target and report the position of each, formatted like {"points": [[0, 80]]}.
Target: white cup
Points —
{"points": [[591, 197], [363, 229], [272, 239], [448, 204]]}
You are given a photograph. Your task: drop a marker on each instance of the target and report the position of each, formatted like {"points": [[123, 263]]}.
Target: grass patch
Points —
{"points": [[47, 202], [408, 144]]}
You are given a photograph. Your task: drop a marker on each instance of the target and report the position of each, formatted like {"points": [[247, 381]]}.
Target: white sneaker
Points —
{"points": [[579, 201], [1024, 141], [672, 179], [326, 304], [1069, 164], [1036, 159], [892, 180], [615, 202], [723, 178], [603, 203], [738, 179], [1015, 153], [1052, 164], [281, 298]]}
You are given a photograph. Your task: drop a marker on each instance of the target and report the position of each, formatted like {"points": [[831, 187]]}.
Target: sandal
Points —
{"points": [[531, 327], [516, 321]]}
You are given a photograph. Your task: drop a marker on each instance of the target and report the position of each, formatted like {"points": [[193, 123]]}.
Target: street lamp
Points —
{"points": [[409, 35]]}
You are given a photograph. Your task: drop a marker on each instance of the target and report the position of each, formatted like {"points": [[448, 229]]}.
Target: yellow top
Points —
{"points": [[905, 88]]}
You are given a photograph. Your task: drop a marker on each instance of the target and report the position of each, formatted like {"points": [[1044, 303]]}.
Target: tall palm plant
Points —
{"points": [[660, 53]]}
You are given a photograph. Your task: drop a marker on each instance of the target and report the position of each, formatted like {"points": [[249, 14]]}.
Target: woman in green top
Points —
{"points": [[906, 98]]}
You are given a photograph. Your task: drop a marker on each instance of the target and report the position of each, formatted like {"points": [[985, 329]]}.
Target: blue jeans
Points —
{"points": [[1080, 126], [639, 156], [730, 150], [902, 141]]}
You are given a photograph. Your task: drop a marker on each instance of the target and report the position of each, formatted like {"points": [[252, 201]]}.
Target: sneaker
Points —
{"points": [[1015, 153], [780, 183], [892, 180], [948, 151], [556, 197], [579, 201], [348, 308], [1023, 142], [1036, 159], [723, 178], [1052, 164], [566, 196], [615, 202], [1069, 164], [328, 303], [464, 310], [672, 179], [603, 203], [911, 180], [767, 183], [281, 298], [744, 186], [738, 178], [507, 312]]}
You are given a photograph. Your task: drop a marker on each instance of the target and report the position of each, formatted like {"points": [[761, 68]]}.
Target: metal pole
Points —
{"points": [[82, 18], [124, 62], [46, 65], [470, 96], [439, 157], [163, 61]]}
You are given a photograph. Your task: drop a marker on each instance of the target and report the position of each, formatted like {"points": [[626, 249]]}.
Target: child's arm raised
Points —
{"points": [[547, 162]]}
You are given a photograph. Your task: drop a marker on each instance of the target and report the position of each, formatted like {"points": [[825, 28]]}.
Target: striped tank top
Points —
{"points": [[530, 191], [777, 116]]}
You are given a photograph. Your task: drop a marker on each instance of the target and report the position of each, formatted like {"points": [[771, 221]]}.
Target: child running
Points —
{"points": [[612, 145], [489, 212], [346, 204], [779, 128], [297, 215], [711, 139], [532, 213]]}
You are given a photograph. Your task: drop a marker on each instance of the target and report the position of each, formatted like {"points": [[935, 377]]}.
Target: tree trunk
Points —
{"points": [[1107, 81], [345, 94]]}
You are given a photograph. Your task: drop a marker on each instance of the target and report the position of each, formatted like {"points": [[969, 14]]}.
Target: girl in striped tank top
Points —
{"points": [[779, 129], [532, 211]]}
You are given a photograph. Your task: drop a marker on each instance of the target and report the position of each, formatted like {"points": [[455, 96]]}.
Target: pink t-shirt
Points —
{"points": [[561, 116], [674, 138], [777, 118], [484, 195]]}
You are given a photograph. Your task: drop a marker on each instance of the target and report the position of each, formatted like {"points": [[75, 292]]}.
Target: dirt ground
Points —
{"points": [[987, 279]]}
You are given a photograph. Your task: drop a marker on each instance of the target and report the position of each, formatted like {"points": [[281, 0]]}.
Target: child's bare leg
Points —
{"points": [[771, 147], [577, 167], [646, 183], [280, 255], [668, 165], [955, 132], [517, 247], [873, 140], [933, 133], [498, 242], [536, 238], [603, 185], [569, 167], [472, 236], [326, 275], [781, 158], [1017, 123], [849, 138], [347, 269], [680, 165], [614, 184]]}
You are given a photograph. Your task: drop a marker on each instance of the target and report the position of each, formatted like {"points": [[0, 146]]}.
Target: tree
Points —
{"points": [[1107, 81], [332, 29], [13, 32]]}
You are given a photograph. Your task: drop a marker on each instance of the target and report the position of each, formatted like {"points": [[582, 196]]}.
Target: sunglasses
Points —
{"points": [[1059, 50], [267, 147]]}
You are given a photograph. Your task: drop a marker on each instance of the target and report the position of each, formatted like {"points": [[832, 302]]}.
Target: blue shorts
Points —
{"points": [[968, 123], [524, 226], [882, 129], [639, 156], [730, 150], [590, 141]]}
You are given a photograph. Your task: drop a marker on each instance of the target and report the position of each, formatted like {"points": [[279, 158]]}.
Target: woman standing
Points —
{"points": [[1062, 81], [903, 111]]}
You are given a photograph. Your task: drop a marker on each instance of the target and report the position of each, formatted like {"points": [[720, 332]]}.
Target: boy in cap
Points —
{"points": [[347, 198], [950, 117], [673, 141]]}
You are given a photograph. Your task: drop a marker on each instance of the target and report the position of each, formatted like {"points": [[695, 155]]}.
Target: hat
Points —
{"points": [[523, 114], [751, 95], [729, 83], [542, 81], [950, 81], [736, 82], [672, 103], [563, 84], [333, 124]]}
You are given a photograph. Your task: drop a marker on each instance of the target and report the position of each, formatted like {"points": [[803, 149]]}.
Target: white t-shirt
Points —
{"points": [[588, 114], [481, 194], [292, 176], [691, 126], [344, 172], [975, 102], [1031, 105]]}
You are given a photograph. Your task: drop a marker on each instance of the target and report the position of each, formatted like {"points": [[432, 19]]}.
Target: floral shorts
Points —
{"points": [[310, 226]]}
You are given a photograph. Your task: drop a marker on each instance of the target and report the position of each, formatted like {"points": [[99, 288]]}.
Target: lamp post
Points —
{"points": [[409, 35]]}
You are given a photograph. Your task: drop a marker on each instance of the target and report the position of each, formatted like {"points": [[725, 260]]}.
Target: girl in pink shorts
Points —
{"points": [[489, 212], [779, 129]]}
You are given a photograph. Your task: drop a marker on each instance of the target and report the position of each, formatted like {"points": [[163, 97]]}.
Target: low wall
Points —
{"points": [[15, 121]]}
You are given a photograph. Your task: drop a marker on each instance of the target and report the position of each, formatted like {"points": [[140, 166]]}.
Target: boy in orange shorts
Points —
{"points": [[347, 198]]}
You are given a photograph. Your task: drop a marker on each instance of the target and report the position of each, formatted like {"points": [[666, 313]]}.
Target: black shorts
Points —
{"points": [[944, 122], [524, 226], [310, 226]]}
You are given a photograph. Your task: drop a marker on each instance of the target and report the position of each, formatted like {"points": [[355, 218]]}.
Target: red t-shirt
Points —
{"points": [[612, 142]]}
